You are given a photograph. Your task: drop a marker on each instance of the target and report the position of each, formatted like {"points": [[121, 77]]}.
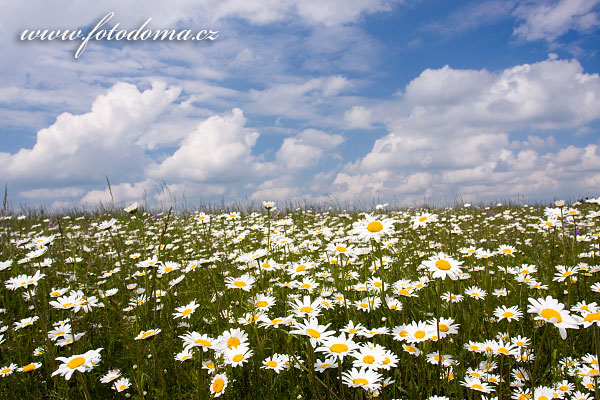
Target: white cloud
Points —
{"points": [[358, 117], [548, 20], [455, 136], [219, 150], [297, 100], [306, 149], [85, 148]]}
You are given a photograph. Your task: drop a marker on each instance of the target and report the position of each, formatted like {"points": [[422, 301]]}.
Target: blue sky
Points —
{"points": [[352, 101]]}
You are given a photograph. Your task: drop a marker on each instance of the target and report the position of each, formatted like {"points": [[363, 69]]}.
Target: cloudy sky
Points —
{"points": [[343, 100]]}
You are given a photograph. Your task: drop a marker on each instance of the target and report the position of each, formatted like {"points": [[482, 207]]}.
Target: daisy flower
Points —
{"points": [[306, 307], [121, 384], [25, 322], [263, 302], [195, 339], [442, 266], [475, 292], [186, 311], [364, 378], [351, 329], [370, 227], [552, 311], [447, 327], [423, 219], [244, 282], [110, 376], [321, 366], [477, 384], [29, 367], [185, 354], [233, 338], [313, 330], [368, 357], [238, 355], [218, 385], [146, 334], [417, 332], [337, 346], [78, 362], [506, 250], [8, 370], [277, 363], [509, 313], [411, 350]]}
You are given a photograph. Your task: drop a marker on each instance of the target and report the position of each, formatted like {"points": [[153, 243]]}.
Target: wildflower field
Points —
{"points": [[457, 303]]}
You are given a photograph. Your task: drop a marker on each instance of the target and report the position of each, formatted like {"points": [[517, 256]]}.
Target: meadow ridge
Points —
{"points": [[498, 302]]}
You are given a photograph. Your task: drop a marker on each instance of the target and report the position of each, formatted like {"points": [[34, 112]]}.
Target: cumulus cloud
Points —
{"points": [[219, 150], [460, 134], [358, 117], [550, 19], [85, 148], [306, 149]]}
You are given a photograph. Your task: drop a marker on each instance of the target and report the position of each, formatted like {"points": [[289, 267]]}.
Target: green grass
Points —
{"points": [[83, 255]]}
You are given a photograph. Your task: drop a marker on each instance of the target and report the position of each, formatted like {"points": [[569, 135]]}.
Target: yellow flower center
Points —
{"points": [[360, 381], [503, 350], [592, 317], [5, 371], [186, 312], [542, 398], [563, 388], [122, 387], [508, 314], [341, 249], [300, 268], [146, 334], [410, 349], [423, 219], [266, 265], [477, 386], [364, 305], [306, 309], [238, 357], [420, 334], [549, 314], [368, 359], [76, 362], [443, 265], [239, 283], [444, 328], [233, 342], [313, 333], [29, 367], [305, 286], [218, 385], [506, 251], [271, 364], [261, 303], [168, 269], [204, 343], [325, 365], [339, 348], [374, 226]]}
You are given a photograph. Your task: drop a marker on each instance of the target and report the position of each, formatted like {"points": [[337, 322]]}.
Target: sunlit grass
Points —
{"points": [[282, 304]]}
